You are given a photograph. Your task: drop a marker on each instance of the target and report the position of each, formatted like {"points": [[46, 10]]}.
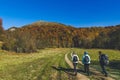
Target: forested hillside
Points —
{"points": [[39, 35]]}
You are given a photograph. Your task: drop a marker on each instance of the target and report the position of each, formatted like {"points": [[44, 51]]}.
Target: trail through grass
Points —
{"points": [[113, 68], [47, 64]]}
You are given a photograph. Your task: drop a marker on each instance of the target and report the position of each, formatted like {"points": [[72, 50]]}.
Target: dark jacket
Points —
{"points": [[101, 59]]}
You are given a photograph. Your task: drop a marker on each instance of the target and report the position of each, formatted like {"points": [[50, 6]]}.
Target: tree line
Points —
{"points": [[30, 38]]}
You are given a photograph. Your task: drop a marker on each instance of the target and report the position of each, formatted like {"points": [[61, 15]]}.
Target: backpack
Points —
{"points": [[75, 58], [86, 59], [105, 59]]}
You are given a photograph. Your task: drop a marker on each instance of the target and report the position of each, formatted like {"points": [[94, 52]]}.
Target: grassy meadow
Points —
{"points": [[114, 56], [49, 64]]}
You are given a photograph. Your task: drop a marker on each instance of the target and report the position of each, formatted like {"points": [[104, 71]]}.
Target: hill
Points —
{"points": [[50, 64], [39, 35]]}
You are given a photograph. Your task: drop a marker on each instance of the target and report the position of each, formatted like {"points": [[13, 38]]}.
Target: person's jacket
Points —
{"points": [[101, 60], [73, 57], [84, 57]]}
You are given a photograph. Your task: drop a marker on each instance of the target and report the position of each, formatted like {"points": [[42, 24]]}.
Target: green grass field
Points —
{"points": [[114, 56], [49, 64]]}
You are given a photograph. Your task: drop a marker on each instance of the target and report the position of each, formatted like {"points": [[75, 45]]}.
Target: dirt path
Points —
{"points": [[79, 76], [98, 74]]}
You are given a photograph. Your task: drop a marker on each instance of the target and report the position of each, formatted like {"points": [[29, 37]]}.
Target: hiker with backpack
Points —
{"points": [[75, 60], [103, 60], [86, 61]]}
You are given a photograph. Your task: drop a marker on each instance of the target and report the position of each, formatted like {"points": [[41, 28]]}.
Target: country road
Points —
{"points": [[79, 76], [97, 74]]}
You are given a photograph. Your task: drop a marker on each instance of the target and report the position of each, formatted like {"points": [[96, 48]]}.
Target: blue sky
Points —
{"points": [[78, 13]]}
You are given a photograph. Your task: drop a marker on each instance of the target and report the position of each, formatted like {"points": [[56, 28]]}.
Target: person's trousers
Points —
{"points": [[75, 65], [104, 70], [86, 68]]}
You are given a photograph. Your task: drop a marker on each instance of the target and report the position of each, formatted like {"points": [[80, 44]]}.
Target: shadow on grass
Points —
{"points": [[115, 64], [69, 71]]}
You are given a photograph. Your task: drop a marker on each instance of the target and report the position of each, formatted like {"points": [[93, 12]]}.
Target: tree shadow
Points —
{"points": [[115, 64], [69, 71]]}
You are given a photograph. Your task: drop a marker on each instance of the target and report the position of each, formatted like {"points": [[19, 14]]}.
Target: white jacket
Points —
{"points": [[72, 55]]}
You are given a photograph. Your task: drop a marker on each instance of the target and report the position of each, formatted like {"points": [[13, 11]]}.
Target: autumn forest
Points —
{"points": [[39, 35]]}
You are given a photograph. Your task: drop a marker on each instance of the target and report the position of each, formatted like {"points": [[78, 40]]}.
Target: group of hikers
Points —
{"points": [[103, 60]]}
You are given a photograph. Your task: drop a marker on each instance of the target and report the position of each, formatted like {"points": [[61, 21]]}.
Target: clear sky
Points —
{"points": [[78, 13]]}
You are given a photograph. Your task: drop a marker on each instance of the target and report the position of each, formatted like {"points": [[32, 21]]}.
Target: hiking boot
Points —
{"points": [[75, 73], [106, 75]]}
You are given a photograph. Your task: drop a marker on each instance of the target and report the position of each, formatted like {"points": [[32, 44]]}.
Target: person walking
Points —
{"points": [[75, 60], [103, 60], [86, 61]]}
